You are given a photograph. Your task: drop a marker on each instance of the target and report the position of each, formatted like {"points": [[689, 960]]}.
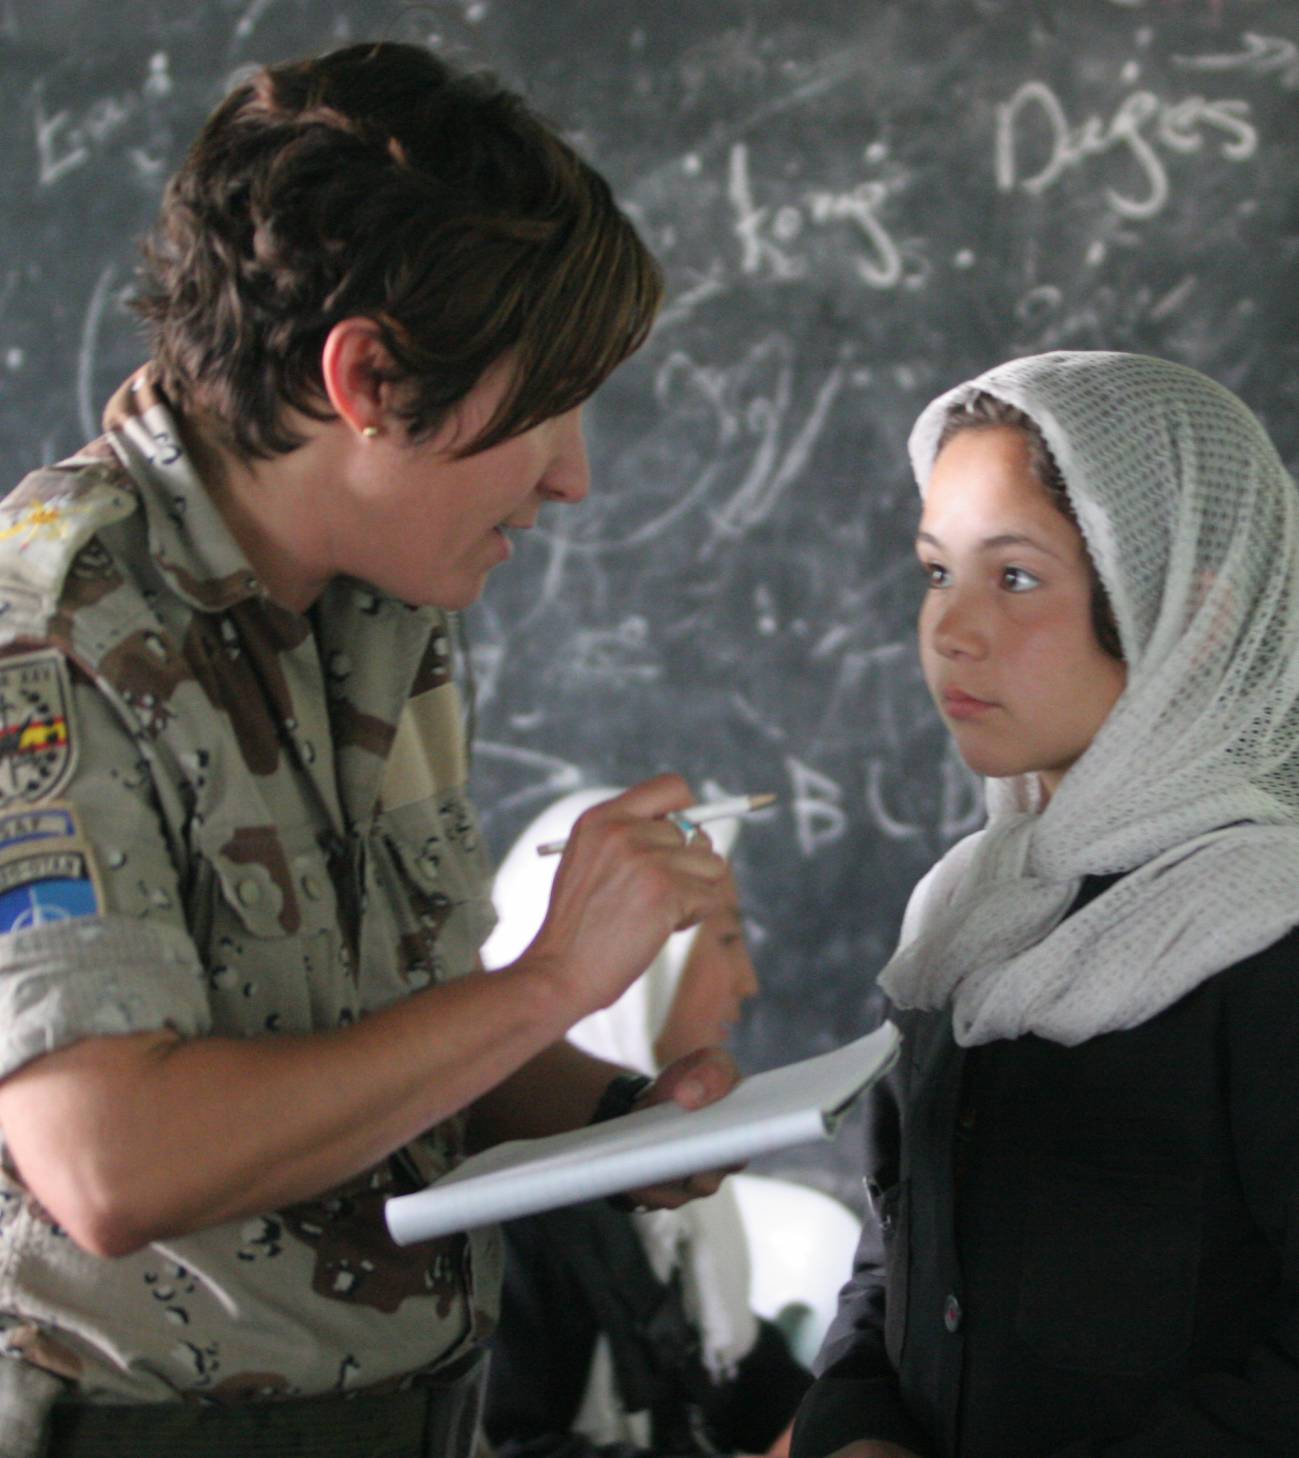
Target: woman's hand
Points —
{"points": [[628, 880], [698, 1079]]}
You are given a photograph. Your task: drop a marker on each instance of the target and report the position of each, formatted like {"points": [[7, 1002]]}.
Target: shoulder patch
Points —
{"points": [[47, 872], [47, 519], [38, 749], [45, 884], [56, 821]]}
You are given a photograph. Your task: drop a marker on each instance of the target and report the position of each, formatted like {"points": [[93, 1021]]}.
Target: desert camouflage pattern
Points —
{"points": [[219, 816]]}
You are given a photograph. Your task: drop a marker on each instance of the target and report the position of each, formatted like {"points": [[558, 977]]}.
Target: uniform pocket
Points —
{"points": [[260, 875], [270, 931], [1109, 1267], [441, 863]]}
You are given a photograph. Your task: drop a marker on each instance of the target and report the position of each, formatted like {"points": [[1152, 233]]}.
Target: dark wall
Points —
{"points": [[856, 204]]}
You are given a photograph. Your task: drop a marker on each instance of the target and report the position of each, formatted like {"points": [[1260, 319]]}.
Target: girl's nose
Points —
{"points": [[957, 629]]}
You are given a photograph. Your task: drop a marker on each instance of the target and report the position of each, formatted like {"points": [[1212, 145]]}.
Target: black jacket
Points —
{"points": [[1082, 1252]]}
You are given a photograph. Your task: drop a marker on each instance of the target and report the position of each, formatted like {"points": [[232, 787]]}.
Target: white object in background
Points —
{"points": [[801, 1243]]}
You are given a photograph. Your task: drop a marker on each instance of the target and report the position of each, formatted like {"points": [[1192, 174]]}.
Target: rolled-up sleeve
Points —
{"points": [[119, 957], [101, 975]]}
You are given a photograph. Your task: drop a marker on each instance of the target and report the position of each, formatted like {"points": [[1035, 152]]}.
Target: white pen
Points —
{"points": [[690, 820]]}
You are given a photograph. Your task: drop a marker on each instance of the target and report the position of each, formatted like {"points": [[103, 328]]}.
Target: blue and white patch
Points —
{"points": [[46, 875]]}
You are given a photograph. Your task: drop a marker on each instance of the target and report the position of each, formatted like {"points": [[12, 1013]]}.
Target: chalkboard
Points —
{"points": [[857, 203]]}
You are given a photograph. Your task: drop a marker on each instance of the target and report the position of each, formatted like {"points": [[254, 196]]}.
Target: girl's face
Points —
{"points": [[716, 982], [1006, 638]]}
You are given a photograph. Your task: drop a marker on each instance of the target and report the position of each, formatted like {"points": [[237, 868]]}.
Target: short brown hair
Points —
{"points": [[982, 411], [378, 181]]}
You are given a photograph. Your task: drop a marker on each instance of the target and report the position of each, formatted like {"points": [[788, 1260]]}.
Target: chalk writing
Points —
{"points": [[768, 235], [751, 425], [65, 142], [960, 801], [1263, 55], [250, 19], [1102, 319], [775, 469], [486, 662], [1141, 125], [88, 350], [879, 774], [819, 816], [621, 654], [697, 291]]}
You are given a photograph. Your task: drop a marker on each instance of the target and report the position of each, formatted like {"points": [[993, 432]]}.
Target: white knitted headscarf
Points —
{"points": [[704, 1239], [1191, 786]]}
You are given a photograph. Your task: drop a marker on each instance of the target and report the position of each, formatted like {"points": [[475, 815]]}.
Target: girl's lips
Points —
{"points": [[958, 705]]}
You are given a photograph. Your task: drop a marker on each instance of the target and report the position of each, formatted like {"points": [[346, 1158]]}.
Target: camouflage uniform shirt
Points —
{"points": [[220, 816]]}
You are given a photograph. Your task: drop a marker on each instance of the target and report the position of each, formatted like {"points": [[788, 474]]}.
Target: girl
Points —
{"points": [[1084, 1174]]}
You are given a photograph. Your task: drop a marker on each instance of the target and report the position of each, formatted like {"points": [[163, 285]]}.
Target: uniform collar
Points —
{"points": [[189, 539]]}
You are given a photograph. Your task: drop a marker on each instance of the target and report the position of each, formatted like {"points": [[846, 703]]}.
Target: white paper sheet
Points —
{"points": [[786, 1106]]}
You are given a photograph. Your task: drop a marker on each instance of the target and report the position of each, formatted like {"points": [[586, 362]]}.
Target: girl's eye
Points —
{"points": [[1016, 579], [935, 575]]}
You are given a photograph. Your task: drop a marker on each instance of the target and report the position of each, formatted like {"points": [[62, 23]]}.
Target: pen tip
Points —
{"points": [[757, 802]]}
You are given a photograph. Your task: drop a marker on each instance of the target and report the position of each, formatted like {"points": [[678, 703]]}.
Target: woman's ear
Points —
{"points": [[353, 363]]}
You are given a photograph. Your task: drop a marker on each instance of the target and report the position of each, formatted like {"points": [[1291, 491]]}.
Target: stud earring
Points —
{"points": [[370, 432]]}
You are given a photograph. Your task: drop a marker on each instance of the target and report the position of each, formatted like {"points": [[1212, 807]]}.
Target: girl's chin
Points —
{"points": [[990, 768]]}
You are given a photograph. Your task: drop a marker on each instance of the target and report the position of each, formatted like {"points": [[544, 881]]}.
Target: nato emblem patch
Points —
{"points": [[47, 886], [47, 872], [37, 748]]}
